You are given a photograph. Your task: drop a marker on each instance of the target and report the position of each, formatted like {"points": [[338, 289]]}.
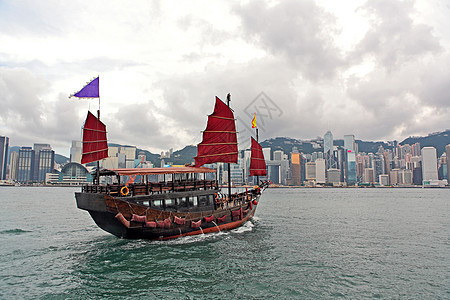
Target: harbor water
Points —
{"points": [[302, 244]]}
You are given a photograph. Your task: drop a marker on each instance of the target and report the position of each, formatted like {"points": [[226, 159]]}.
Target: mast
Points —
{"points": [[229, 170]]}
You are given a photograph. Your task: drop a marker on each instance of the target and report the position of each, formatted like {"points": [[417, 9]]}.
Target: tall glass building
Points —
{"points": [[351, 167], [4, 145]]}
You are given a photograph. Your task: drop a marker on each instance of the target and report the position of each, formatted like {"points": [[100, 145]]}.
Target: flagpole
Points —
{"points": [[257, 140]]}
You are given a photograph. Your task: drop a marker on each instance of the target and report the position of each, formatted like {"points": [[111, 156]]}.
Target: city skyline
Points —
{"points": [[66, 152], [373, 68]]}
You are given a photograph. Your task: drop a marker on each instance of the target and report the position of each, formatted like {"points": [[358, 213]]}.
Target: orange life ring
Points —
{"points": [[124, 191]]}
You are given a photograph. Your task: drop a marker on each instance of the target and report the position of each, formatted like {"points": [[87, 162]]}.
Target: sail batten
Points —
{"points": [[95, 144], [219, 142], [257, 161]]}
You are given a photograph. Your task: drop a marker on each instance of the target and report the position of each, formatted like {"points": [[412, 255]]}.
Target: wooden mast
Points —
{"points": [[229, 171]]}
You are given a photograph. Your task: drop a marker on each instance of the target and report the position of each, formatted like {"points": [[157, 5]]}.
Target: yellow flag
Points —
{"points": [[254, 121]]}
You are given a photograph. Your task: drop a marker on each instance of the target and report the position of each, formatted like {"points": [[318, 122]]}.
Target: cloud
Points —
{"points": [[301, 31]]}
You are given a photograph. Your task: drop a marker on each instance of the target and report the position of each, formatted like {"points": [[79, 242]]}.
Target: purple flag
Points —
{"points": [[89, 91]]}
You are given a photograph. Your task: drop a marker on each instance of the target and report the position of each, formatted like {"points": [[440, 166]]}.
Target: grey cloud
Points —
{"points": [[300, 31], [394, 38]]}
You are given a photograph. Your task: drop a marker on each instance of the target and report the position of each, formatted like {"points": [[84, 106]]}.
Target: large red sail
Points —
{"points": [[95, 145], [219, 138], [257, 162]]}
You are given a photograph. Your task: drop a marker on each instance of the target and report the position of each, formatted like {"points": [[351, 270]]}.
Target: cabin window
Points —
{"points": [[191, 201], [183, 202], [170, 203], [157, 203], [203, 200], [194, 201]]}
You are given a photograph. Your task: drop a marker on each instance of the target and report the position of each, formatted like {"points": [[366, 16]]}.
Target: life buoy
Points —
{"points": [[124, 191]]}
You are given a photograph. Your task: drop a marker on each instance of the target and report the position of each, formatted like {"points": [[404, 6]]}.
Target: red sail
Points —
{"points": [[219, 138], [95, 146], [257, 162]]}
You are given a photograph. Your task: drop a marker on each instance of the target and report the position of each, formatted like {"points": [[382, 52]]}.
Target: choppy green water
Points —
{"points": [[303, 243]]}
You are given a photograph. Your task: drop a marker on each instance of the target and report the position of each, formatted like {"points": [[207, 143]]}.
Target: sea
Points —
{"points": [[303, 243]]}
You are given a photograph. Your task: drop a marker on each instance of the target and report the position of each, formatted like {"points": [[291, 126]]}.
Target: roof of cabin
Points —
{"points": [[157, 171]]}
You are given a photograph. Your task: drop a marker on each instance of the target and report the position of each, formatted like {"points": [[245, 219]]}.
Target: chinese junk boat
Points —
{"points": [[187, 201]]}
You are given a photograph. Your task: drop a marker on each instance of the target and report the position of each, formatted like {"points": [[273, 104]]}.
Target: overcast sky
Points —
{"points": [[378, 69]]}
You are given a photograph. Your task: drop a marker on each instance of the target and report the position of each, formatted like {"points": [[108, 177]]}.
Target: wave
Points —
{"points": [[15, 231]]}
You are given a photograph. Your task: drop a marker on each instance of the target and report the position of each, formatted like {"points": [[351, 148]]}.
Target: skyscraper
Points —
{"points": [[4, 145], [447, 152], [429, 164], [351, 167], [25, 167], [296, 168], [328, 150], [349, 142]]}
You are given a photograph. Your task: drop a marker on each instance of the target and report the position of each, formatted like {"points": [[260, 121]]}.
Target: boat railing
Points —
{"points": [[150, 187]]}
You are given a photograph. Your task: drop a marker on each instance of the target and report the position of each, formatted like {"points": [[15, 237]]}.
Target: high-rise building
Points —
{"points": [[37, 149], [267, 154], [334, 176], [351, 168], [349, 142], [429, 164], [75, 152], [25, 168], [310, 168], [369, 175], [328, 150], [13, 166], [46, 162], [447, 152], [320, 171], [4, 146], [296, 168]]}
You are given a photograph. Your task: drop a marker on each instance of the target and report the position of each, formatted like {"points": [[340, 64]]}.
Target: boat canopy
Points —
{"points": [[157, 171]]}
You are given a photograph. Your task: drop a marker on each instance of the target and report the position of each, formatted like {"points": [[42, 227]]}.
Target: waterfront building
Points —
{"points": [[278, 171], [296, 168], [45, 163], [4, 146], [395, 177], [13, 166], [334, 176], [429, 164], [384, 180], [369, 175], [310, 168], [320, 171], [351, 168], [447, 151], [25, 165], [417, 175], [37, 149]]}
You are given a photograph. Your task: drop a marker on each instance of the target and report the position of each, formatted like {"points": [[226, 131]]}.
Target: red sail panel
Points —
{"points": [[219, 142], [95, 145], [257, 161]]}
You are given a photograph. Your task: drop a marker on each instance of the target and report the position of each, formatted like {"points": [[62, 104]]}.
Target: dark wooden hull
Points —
{"points": [[104, 210]]}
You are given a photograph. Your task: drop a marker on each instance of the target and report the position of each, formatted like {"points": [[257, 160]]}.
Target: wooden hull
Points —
{"points": [[104, 210]]}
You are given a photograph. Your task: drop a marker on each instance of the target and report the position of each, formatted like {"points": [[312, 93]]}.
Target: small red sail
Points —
{"points": [[257, 162], [95, 145], [219, 138]]}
